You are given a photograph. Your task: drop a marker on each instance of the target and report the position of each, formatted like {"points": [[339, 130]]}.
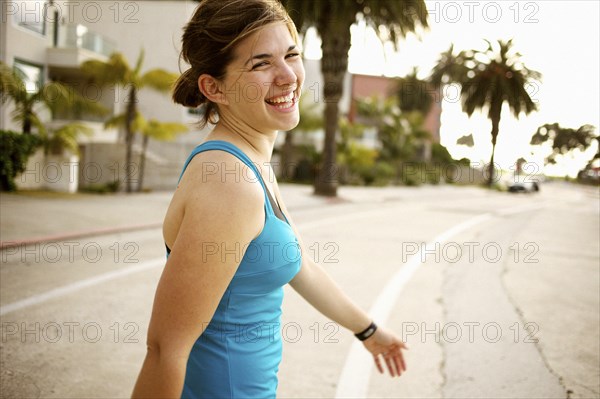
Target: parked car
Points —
{"points": [[524, 183]]}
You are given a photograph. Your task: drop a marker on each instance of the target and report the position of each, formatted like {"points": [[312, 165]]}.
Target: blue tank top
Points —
{"points": [[238, 354]]}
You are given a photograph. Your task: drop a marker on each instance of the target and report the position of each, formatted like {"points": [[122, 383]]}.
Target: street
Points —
{"points": [[496, 294]]}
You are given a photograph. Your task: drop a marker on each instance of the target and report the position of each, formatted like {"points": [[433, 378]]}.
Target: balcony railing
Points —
{"points": [[79, 36]]}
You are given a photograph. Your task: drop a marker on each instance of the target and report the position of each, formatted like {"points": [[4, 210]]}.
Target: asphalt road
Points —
{"points": [[496, 294]]}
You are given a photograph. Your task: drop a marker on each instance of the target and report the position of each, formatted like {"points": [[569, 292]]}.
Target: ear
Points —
{"points": [[211, 89]]}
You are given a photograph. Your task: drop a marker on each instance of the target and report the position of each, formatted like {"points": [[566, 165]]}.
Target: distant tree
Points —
{"points": [[28, 108], [49, 96], [401, 133], [414, 94], [489, 79], [451, 68], [15, 150], [64, 137], [564, 140], [162, 131], [116, 71], [332, 19]]}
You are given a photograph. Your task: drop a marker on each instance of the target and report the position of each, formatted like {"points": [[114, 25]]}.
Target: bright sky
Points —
{"points": [[560, 39]]}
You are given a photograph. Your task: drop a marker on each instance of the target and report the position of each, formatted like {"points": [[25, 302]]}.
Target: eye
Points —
{"points": [[291, 55], [260, 64]]}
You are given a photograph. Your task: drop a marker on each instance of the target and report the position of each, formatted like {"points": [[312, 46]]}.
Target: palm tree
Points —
{"points": [[414, 94], [162, 131], [116, 71], [51, 96], [564, 139], [500, 78], [451, 68], [489, 78], [332, 19], [65, 137]]}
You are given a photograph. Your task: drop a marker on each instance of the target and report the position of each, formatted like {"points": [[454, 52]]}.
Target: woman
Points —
{"points": [[214, 330]]}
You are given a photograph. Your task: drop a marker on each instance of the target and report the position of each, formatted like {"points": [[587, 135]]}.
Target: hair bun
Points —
{"points": [[186, 91]]}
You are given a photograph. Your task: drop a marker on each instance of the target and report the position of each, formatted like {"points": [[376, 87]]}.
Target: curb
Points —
{"points": [[114, 230], [79, 234]]}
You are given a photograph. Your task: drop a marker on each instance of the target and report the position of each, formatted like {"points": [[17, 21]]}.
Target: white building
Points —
{"points": [[48, 40]]}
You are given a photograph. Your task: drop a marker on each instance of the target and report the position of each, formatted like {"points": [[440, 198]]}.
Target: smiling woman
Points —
{"points": [[231, 243], [220, 27]]}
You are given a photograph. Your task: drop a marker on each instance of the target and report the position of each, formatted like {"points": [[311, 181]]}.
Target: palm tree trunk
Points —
{"points": [[129, 118], [491, 168], [142, 162], [27, 123], [27, 126], [334, 65]]}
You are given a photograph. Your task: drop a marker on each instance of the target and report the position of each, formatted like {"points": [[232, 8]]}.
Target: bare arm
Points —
{"points": [[193, 282], [316, 286]]}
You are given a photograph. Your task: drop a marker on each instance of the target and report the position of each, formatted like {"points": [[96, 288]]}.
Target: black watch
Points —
{"points": [[367, 332]]}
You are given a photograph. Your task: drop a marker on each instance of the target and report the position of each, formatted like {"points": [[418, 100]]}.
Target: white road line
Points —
{"points": [[79, 285], [150, 264], [356, 372]]}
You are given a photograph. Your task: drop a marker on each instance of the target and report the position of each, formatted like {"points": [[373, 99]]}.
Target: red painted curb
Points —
{"points": [[78, 234]]}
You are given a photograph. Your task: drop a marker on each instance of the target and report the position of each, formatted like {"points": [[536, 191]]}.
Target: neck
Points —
{"points": [[257, 145]]}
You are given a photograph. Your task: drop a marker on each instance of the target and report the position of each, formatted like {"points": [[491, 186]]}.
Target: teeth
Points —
{"points": [[286, 99]]}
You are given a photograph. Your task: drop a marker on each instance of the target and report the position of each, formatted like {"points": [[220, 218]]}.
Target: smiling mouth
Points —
{"points": [[283, 102]]}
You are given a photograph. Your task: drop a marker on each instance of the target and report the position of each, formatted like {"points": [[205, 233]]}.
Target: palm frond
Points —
{"points": [[163, 131], [158, 79], [66, 137], [140, 61], [113, 71], [115, 122], [328, 16], [11, 85]]}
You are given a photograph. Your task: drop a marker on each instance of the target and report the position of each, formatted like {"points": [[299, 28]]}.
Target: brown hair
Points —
{"points": [[209, 40]]}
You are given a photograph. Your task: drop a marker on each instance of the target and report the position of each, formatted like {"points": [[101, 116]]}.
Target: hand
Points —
{"points": [[385, 344]]}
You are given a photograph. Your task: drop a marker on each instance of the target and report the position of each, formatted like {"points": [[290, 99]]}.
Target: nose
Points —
{"points": [[285, 75]]}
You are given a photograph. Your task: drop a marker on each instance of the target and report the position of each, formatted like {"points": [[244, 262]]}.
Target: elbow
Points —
{"points": [[153, 347], [160, 350]]}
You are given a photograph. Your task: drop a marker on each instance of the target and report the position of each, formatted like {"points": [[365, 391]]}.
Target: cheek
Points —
{"points": [[252, 92]]}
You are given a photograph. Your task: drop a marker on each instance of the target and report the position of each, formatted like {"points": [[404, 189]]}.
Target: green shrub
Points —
{"points": [[111, 187], [379, 174], [16, 150], [440, 154], [410, 173]]}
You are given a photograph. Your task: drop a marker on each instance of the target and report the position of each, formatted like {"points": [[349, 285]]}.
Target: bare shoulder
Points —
{"points": [[220, 182], [216, 188]]}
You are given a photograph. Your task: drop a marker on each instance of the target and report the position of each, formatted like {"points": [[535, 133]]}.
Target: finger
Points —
{"points": [[378, 364], [390, 366], [398, 361], [402, 361]]}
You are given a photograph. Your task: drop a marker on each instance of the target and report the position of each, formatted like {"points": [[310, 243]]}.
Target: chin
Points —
{"points": [[288, 125]]}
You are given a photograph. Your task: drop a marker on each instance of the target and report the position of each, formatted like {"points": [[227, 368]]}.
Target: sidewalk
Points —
{"points": [[39, 217], [31, 217]]}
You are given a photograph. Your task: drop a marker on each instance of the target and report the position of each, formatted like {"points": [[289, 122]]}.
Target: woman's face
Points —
{"points": [[263, 83]]}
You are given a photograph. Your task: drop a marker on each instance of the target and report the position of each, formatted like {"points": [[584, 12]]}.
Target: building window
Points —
{"points": [[31, 14], [31, 74]]}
